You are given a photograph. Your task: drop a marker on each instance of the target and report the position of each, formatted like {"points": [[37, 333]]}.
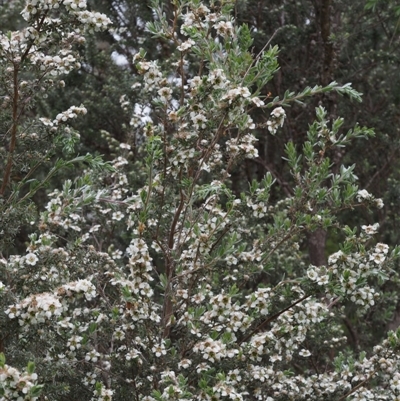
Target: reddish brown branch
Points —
{"points": [[14, 128], [15, 116], [271, 319]]}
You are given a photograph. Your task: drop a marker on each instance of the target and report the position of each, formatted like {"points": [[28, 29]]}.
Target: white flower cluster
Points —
{"points": [[62, 63], [36, 309], [288, 334], [277, 119], [138, 283], [379, 254], [151, 74], [213, 350], [242, 146], [224, 28], [198, 119], [234, 93], [260, 300], [75, 5], [13, 45], [364, 195], [63, 117], [198, 17], [319, 274], [84, 287], [186, 45], [33, 7], [352, 270], [216, 78], [223, 312], [232, 96], [93, 21], [16, 385], [105, 394], [140, 266]]}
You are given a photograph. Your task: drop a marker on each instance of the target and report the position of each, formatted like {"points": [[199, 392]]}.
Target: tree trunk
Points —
{"points": [[316, 247]]}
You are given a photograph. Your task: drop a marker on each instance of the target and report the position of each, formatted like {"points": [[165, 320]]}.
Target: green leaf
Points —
{"points": [[36, 390], [31, 367], [143, 195]]}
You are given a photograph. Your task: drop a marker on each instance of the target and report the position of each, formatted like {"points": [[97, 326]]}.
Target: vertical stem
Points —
{"points": [[168, 307], [14, 128], [13, 142]]}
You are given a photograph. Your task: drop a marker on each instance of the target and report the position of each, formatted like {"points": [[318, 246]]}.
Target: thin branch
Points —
{"points": [[15, 115], [388, 162], [271, 319], [357, 387], [261, 52], [284, 185], [14, 129]]}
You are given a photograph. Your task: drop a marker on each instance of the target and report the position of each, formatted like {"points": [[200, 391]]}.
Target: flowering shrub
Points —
{"points": [[16, 385], [152, 278]]}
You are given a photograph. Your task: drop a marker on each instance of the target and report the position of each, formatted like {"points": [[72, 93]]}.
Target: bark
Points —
{"points": [[316, 247], [323, 14], [324, 7]]}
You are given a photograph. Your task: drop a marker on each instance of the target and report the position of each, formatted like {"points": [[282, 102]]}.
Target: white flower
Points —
{"points": [[378, 258], [370, 230], [275, 358], [232, 94], [224, 28], [279, 112], [257, 101], [323, 279], [304, 353], [312, 274], [379, 203], [336, 256], [199, 120], [186, 45], [383, 248], [363, 194], [159, 350], [184, 363], [165, 93], [278, 116], [117, 216], [31, 259], [202, 367]]}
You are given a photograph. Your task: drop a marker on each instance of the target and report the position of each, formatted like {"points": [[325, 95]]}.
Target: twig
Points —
{"points": [[356, 387], [271, 319], [261, 52], [13, 141]]}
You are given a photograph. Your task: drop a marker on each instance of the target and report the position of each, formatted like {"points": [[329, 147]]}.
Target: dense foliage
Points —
{"points": [[223, 247]]}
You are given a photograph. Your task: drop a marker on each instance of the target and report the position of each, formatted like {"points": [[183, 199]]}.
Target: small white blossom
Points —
{"points": [[304, 353], [117, 216], [186, 45], [363, 194], [31, 259], [276, 120]]}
